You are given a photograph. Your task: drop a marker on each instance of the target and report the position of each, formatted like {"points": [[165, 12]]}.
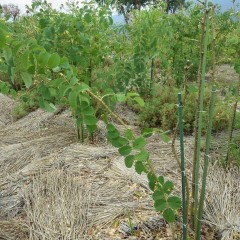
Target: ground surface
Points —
{"points": [[52, 187]]}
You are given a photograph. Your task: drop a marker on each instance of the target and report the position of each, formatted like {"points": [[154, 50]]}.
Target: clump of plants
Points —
{"points": [[161, 111], [29, 102], [235, 151]]}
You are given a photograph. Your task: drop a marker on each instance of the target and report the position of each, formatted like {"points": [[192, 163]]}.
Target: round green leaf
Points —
{"points": [[139, 167], [167, 186], [111, 127], [169, 215], [54, 60], [90, 120], [123, 141], [157, 195], [125, 150], [139, 143], [142, 156], [114, 134], [43, 59], [91, 128], [174, 202], [89, 110], [160, 204], [129, 160], [115, 142]]}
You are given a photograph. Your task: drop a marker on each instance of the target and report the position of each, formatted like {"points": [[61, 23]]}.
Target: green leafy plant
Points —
{"points": [[160, 110], [234, 153], [73, 58]]}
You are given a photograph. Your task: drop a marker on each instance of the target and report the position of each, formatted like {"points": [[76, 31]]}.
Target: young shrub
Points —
{"points": [[169, 117], [160, 111], [235, 151], [221, 117]]}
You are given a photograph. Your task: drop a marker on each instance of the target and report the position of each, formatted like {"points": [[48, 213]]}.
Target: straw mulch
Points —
{"points": [[6, 106], [223, 201], [52, 187]]}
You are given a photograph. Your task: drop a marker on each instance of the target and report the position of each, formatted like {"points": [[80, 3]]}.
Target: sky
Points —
{"points": [[21, 3], [56, 3]]}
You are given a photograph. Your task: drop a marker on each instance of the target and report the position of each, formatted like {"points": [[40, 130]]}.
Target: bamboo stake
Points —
{"points": [[200, 116], [206, 162], [184, 203], [203, 24], [186, 68], [213, 45]]}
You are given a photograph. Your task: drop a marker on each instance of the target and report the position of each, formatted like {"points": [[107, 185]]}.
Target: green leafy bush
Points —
{"points": [[235, 151], [161, 111]]}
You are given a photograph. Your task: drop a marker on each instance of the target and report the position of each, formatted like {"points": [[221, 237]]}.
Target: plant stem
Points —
{"points": [[184, 205], [82, 132], [78, 131], [107, 108], [187, 67], [200, 116], [152, 76], [213, 45], [100, 101], [203, 24], [206, 161], [172, 227]]}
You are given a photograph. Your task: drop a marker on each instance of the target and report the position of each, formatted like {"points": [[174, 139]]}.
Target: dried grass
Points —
{"points": [[13, 229], [6, 106], [62, 189], [223, 201], [57, 206]]}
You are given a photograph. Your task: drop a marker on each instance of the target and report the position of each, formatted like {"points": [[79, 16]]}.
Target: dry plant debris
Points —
{"points": [[52, 187]]}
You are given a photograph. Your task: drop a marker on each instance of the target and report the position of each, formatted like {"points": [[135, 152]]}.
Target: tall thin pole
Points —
{"points": [[200, 117], [184, 204], [203, 26], [206, 161]]}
